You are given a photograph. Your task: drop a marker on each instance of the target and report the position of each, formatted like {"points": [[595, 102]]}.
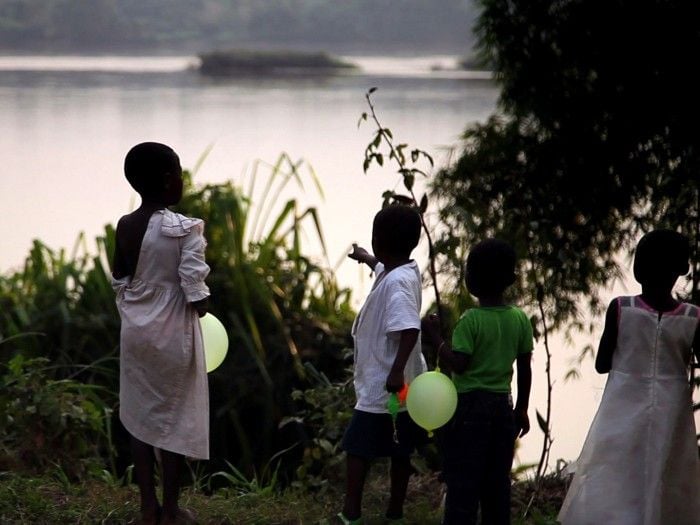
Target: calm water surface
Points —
{"points": [[66, 123]]}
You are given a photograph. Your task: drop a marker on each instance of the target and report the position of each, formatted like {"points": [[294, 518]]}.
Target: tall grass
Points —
{"points": [[280, 305], [62, 307]]}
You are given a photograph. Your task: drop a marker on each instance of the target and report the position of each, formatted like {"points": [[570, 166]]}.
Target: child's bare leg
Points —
{"points": [[400, 472], [171, 464], [142, 454], [357, 468]]}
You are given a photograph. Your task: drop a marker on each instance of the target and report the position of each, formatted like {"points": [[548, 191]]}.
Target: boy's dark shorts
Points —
{"points": [[371, 435]]}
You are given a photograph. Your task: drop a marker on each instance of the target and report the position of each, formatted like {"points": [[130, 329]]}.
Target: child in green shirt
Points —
{"points": [[487, 340]]}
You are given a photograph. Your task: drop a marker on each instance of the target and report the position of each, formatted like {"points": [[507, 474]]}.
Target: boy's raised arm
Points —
{"points": [[361, 255]]}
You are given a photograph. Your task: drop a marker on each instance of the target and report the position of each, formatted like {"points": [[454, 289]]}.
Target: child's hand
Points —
{"points": [[202, 307], [359, 254], [394, 381], [430, 325], [522, 422]]}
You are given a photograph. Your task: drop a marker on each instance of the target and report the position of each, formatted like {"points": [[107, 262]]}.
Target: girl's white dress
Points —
{"points": [[163, 391], [639, 464]]}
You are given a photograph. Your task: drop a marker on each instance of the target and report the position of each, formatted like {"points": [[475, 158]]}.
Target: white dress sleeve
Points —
{"points": [[193, 269]]}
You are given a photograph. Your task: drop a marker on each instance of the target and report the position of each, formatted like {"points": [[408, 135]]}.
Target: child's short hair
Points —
{"points": [[397, 229], [490, 267], [661, 253], [147, 163]]}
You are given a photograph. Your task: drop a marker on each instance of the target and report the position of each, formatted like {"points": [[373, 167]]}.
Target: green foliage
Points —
{"points": [[538, 502], [381, 145], [49, 423], [579, 162], [265, 483], [279, 306], [325, 411], [62, 308]]}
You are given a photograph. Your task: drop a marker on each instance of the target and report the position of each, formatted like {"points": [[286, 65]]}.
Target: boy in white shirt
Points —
{"points": [[387, 355]]}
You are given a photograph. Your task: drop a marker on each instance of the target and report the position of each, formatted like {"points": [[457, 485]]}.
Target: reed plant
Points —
{"points": [[281, 306]]}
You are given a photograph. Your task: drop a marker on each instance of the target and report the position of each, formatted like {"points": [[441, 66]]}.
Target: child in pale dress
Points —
{"points": [[158, 275], [639, 464]]}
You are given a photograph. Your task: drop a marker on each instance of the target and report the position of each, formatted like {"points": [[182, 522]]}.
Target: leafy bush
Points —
{"points": [[324, 411], [46, 422]]}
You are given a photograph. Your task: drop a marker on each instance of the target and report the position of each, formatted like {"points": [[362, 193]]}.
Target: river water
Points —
{"points": [[67, 122]]}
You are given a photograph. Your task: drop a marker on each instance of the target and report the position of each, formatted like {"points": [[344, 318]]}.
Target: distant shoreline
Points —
{"points": [[375, 66], [259, 62]]}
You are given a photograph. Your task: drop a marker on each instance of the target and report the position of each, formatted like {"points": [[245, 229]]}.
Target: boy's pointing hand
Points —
{"points": [[358, 253]]}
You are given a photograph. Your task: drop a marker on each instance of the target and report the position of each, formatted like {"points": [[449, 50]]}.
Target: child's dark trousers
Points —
{"points": [[478, 453]]}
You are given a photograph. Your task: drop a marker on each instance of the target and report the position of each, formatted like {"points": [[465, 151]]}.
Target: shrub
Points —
{"points": [[46, 422]]}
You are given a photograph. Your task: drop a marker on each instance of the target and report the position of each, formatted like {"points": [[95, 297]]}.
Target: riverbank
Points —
{"points": [[52, 499]]}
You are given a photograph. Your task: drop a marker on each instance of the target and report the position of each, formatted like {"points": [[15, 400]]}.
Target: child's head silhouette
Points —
{"points": [[490, 267], [154, 171], [661, 257], [395, 231]]}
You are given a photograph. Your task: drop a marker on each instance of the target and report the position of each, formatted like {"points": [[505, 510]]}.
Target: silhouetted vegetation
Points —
{"points": [[595, 141], [224, 63]]}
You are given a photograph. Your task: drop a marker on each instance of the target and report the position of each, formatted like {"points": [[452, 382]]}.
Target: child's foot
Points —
{"points": [[342, 520], [149, 516], [183, 516]]}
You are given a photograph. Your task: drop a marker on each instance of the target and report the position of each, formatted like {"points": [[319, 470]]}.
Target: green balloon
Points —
{"points": [[431, 400], [215, 341]]}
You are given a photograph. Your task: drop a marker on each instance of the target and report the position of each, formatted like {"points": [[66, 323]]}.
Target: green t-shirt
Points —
{"points": [[493, 336]]}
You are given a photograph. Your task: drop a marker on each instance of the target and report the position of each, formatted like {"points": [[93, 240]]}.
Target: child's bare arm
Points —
{"points": [[361, 255], [608, 341], [524, 370], [118, 263], [456, 361], [123, 239], [395, 379], [451, 360]]}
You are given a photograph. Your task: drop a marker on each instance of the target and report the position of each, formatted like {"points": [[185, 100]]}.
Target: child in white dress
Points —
{"points": [[158, 275], [639, 464]]}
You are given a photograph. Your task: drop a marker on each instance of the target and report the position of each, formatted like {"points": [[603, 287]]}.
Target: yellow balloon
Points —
{"points": [[431, 400], [215, 341]]}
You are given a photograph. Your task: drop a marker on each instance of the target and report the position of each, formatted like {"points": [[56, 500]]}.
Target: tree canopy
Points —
{"points": [[595, 141]]}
